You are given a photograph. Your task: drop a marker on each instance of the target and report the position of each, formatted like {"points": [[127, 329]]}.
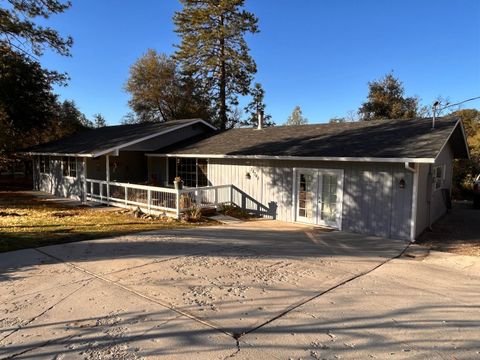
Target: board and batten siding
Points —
{"points": [[431, 203], [55, 183], [373, 202]]}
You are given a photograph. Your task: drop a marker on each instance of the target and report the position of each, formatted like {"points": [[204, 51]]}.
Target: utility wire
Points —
{"points": [[461, 102]]}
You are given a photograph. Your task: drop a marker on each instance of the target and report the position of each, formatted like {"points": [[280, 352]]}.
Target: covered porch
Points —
{"points": [[155, 199], [128, 179]]}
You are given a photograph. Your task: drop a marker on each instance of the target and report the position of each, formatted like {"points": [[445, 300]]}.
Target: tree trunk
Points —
{"points": [[223, 83]]}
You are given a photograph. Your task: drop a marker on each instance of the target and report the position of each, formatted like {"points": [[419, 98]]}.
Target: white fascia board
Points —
{"points": [[459, 123], [58, 154], [413, 220], [464, 138], [297, 158], [136, 141]]}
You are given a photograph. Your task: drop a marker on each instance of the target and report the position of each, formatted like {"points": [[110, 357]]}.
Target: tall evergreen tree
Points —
{"points": [[99, 121], [297, 118], [213, 49], [387, 100], [257, 106], [19, 31]]}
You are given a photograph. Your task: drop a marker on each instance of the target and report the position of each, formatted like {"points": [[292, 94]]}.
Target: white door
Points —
{"points": [[320, 197], [307, 196]]}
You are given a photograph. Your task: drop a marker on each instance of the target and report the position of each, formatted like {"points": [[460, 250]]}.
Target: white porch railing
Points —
{"points": [[157, 199]]}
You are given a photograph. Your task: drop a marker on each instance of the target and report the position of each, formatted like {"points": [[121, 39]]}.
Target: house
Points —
{"points": [[389, 178]]}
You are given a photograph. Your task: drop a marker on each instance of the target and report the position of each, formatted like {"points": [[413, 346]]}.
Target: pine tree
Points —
{"points": [[257, 106], [19, 31], [99, 121], [297, 118], [213, 49]]}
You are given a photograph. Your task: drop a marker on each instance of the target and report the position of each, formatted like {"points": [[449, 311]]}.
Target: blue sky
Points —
{"points": [[316, 54]]}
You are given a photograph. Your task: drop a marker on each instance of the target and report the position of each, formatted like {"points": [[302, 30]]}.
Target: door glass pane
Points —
{"points": [[329, 198], [305, 196]]}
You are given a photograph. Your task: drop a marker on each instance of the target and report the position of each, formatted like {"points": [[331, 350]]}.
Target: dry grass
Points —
{"points": [[27, 221]]}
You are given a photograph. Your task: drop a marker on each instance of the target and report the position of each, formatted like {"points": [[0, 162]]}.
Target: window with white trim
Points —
{"points": [[438, 176], [187, 171], [44, 164], [192, 171], [69, 166]]}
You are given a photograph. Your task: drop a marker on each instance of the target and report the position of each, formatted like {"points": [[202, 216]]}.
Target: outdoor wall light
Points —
{"points": [[248, 176], [401, 184]]}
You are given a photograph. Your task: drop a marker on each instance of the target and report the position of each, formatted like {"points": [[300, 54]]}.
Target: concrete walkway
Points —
{"points": [[253, 290]]}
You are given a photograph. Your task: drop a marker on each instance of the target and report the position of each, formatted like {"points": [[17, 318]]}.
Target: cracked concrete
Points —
{"points": [[244, 291]]}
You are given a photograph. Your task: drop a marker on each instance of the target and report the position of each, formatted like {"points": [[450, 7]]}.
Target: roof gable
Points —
{"points": [[96, 142]]}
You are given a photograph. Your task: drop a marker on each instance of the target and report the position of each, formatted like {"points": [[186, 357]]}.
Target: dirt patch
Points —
{"points": [[62, 214], [235, 211], [457, 232], [5, 213]]}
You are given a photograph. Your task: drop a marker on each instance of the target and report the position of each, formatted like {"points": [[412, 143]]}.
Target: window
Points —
{"points": [[438, 176], [69, 166], [202, 169], [72, 166], [187, 170], [65, 166], [44, 164], [193, 172]]}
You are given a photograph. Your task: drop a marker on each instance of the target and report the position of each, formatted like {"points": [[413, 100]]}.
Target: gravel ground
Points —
{"points": [[253, 290], [457, 232]]}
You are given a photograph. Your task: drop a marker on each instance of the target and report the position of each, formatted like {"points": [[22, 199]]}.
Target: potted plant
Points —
{"points": [[178, 183]]}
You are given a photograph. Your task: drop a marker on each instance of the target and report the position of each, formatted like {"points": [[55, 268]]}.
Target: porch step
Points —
{"points": [[225, 219]]}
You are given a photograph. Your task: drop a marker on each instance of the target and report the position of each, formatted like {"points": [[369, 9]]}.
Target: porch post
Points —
{"points": [[84, 179], [34, 172], [107, 176]]}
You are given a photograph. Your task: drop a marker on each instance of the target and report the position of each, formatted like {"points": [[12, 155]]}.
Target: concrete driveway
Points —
{"points": [[254, 290]]}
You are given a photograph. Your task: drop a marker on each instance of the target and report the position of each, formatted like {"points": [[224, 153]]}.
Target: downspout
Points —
{"points": [[413, 220]]}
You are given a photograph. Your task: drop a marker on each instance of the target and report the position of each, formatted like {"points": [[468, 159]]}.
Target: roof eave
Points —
{"points": [[55, 154], [300, 158], [459, 123]]}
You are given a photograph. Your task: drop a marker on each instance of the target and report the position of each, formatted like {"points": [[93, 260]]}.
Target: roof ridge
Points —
{"points": [[347, 123]]}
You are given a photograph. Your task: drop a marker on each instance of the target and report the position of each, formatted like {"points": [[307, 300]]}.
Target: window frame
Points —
{"points": [[68, 170], [194, 176], [438, 181], [44, 164]]}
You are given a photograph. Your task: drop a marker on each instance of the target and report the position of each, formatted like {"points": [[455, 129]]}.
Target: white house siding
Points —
{"points": [[431, 203], [373, 202], [55, 183]]}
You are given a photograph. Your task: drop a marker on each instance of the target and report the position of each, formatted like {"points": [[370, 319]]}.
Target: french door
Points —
{"points": [[319, 195]]}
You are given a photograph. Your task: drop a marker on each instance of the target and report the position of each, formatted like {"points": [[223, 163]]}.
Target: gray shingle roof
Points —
{"points": [[101, 139], [411, 138]]}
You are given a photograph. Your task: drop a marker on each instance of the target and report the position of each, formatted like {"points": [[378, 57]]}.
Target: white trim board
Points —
{"points": [[300, 158], [459, 123], [57, 154], [413, 220]]}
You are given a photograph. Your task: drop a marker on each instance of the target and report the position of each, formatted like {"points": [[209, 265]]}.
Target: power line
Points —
{"points": [[461, 102]]}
